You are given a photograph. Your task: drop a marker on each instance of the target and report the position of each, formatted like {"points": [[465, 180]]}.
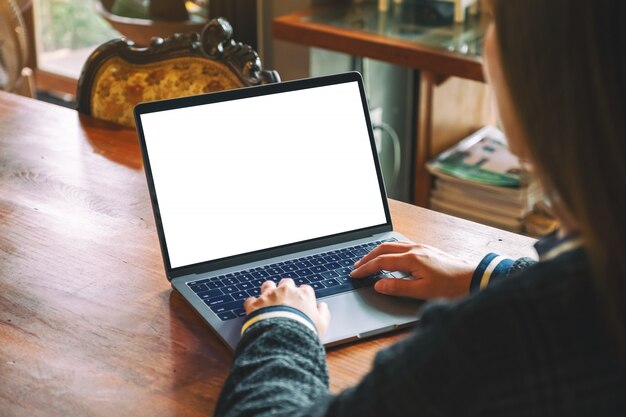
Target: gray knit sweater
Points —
{"points": [[532, 345]]}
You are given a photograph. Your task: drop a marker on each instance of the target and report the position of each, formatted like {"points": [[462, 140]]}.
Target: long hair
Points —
{"points": [[565, 65]]}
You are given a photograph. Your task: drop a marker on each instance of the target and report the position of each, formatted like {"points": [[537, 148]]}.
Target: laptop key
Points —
{"points": [[214, 284], [229, 289], [239, 312], [344, 278], [318, 268], [198, 288], [331, 282], [257, 282], [244, 286], [255, 292], [300, 281], [366, 282], [329, 274], [344, 271], [260, 274], [332, 265], [206, 295], [246, 276], [222, 299], [316, 278], [227, 315], [337, 289], [230, 281], [202, 281], [348, 262], [317, 286], [318, 260], [241, 295], [304, 272], [220, 308], [289, 268]]}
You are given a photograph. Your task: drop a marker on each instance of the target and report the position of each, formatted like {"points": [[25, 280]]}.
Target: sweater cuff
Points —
{"points": [[492, 268], [281, 311]]}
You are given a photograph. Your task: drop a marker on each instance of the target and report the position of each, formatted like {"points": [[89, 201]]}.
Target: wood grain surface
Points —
{"points": [[89, 325]]}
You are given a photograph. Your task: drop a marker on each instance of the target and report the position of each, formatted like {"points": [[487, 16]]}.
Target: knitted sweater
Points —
{"points": [[532, 344]]}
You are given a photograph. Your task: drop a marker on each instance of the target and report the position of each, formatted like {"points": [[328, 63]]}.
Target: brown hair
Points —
{"points": [[565, 66]]}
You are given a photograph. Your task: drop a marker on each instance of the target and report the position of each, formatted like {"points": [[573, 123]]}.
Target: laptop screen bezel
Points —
{"points": [[242, 93]]}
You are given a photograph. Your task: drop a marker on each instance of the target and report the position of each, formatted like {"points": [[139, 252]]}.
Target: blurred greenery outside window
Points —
{"points": [[66, 32]]}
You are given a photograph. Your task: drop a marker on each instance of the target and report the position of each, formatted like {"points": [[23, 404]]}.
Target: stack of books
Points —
{"points": [[479, 179]]}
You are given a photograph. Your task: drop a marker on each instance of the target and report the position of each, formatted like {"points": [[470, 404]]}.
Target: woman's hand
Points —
{"points": [[301, 298], [434, 272]]}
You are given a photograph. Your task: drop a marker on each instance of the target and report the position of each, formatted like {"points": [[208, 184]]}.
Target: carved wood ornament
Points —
{"points": [[118, 74]]}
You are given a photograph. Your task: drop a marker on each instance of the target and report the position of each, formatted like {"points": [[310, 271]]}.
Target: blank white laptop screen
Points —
{"points": [[239, 176]]}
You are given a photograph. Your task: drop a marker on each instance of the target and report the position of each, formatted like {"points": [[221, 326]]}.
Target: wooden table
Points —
{"points": [[89, 325], [456, 115]]}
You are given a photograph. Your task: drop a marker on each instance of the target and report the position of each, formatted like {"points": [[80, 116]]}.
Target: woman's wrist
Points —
{"points": [[490, 269], [278, 311]]}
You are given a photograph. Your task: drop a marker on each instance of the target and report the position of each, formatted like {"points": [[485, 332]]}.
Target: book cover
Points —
{"points": [[486, 205], [490, 219], [482, 158]]}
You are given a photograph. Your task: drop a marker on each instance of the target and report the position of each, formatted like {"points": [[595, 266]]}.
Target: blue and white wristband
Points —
{"points": [[276, 312], [492, 268]]}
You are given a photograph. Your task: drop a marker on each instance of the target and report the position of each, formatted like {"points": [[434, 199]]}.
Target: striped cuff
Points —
{"points": [[492, 268], [277, 311]]}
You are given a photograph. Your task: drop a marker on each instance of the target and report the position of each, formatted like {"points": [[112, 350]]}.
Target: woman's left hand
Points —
{"points": [[434, 272]]}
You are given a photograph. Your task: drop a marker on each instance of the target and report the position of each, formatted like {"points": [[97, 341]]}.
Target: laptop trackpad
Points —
{"points": [[364, 313]]}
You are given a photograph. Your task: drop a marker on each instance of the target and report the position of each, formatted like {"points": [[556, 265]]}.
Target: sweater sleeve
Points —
{"points": [[493, 268], [279, 366], [280, 370]]}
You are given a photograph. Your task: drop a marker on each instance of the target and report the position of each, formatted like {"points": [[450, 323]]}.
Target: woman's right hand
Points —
{"points": [[434, 273]]}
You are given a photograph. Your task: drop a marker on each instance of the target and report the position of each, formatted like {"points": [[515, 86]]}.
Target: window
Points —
{"points": [[66, 32]]}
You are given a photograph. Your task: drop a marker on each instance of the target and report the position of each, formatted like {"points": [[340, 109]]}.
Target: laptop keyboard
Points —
{"points": [[327, 273]]}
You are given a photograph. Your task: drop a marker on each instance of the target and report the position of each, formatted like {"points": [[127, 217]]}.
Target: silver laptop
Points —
{"points": [[268, 182]]}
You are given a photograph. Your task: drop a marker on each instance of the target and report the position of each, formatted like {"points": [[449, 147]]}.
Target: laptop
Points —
{"points": [[266, 182]]}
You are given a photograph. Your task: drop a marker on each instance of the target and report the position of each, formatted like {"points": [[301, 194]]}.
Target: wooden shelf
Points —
{"points": [[447, 77], [298, 28]]}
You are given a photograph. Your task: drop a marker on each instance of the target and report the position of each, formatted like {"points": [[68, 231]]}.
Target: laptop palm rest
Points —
{"points": [[365, 313], [355, 315]]}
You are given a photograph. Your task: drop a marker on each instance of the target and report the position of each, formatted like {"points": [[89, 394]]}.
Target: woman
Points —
{"points": [[541, 339]]}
